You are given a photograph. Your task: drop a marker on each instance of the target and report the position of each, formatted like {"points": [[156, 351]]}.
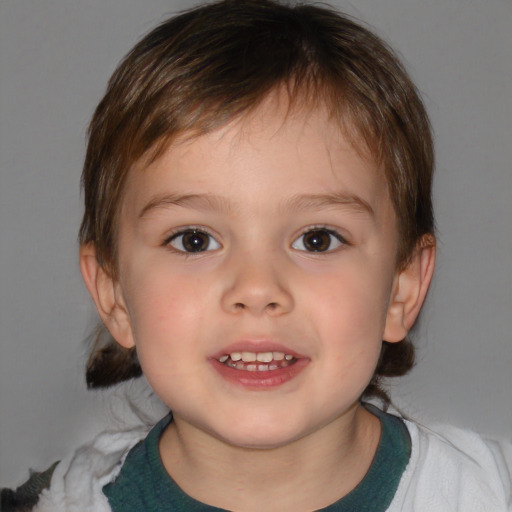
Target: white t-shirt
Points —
{"points": [[451, 470]]}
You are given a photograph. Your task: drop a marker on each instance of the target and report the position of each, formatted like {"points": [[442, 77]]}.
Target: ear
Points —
{"points": [[410, 288], [107, 295]]}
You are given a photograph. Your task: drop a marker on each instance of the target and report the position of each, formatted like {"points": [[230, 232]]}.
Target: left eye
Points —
{"points": [[318, 240], [193, 240]]}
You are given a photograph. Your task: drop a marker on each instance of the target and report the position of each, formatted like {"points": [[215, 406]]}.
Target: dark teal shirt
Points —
{"points": [[144, 485]]}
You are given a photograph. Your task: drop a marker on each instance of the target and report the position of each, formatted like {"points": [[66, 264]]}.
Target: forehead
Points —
{"points": [[273, 147]]}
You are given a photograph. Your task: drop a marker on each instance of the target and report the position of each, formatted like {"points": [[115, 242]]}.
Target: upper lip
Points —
{"points": [[257, 346]]}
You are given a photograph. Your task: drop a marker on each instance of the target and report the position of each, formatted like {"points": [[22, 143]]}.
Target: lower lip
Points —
{"points": [[260, 380]]}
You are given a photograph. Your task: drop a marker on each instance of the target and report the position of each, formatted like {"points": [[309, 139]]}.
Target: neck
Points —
{"points": [[307, 474]]}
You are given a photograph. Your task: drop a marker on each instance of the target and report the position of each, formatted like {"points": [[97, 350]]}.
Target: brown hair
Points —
{"points": [[203, 68]]}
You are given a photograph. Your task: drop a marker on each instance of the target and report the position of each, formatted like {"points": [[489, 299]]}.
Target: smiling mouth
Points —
{"points": [[257, 361]]}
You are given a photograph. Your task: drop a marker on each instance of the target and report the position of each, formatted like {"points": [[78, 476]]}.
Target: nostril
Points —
{"points": [[239, 305], [272, 305]]}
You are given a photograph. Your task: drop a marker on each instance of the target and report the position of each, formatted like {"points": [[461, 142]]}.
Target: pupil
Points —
{"points": [[317, 241], [195, 242]]}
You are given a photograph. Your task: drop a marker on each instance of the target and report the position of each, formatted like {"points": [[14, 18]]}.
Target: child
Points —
{"points": [[258, 240]]}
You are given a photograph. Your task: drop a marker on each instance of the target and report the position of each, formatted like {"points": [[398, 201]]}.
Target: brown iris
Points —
{"points": [[195, 241], [318, 240]]}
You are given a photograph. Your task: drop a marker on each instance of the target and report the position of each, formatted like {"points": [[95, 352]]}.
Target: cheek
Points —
{"points": [[350, 314], [164, 308], [166, 323], [352, 301]]}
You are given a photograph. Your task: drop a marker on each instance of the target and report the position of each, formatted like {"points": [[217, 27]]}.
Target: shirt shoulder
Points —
{"points": [[455, 469]]}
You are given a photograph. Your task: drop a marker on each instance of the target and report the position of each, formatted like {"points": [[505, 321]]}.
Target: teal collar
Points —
{"points": [[143, 483]]}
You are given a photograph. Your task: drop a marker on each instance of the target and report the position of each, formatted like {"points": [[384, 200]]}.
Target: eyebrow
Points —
{"points": [[298, 202], [320, 201], [198, 201]]}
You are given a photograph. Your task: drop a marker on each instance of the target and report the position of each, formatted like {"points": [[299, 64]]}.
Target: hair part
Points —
{"points": [[198, 71]]}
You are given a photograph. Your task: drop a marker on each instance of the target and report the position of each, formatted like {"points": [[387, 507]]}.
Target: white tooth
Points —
{"points": [[273, 367], [288, 357], [284, 364], [248, 357], [223, 359], [262, 367], [235, 356], [278, 356], [251, 367], [264, 357], [239, 365]]}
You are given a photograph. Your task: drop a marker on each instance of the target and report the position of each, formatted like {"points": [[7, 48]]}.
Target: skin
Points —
{"points": [[255, 189]]}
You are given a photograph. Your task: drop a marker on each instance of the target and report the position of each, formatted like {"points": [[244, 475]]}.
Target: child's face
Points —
{"points": [[270, 236]]}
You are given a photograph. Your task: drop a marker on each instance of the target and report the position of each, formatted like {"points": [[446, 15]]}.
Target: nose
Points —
{"points": [[256, 286]]}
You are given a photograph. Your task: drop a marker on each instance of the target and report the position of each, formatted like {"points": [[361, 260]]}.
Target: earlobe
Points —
{"points": [[107, 296], [410, 289]]}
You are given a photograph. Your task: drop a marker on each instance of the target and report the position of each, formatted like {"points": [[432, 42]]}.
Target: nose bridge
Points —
{"points": [[257, 284]]}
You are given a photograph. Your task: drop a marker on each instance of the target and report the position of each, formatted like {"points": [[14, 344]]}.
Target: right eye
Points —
{"points": [[192, 241]]}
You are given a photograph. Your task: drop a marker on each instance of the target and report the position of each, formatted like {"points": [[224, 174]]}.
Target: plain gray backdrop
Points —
{"points": [[55, 59]]}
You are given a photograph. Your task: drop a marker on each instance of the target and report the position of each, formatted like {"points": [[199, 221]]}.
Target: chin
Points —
{"points": [[264, 442], [253, 433]]}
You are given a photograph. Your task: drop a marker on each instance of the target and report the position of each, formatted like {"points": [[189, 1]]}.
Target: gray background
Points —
{"points": [[55, 59]]}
